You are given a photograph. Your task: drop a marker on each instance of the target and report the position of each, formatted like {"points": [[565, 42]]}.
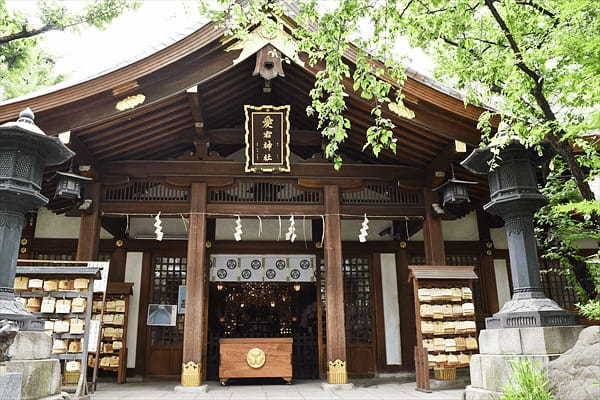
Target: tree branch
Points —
{"points": [[562, 148], [539, 8], [25, 33]]}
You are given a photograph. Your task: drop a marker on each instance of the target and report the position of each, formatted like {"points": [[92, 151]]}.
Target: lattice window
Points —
{"points": [[382, 194], [556, 286], [358, 305], [264, 192], [146, 191], [168, 274]]}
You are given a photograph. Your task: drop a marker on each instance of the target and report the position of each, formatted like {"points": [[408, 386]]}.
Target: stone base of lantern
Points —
{"points": [[490, 370], [529, 312], [31, 354]]}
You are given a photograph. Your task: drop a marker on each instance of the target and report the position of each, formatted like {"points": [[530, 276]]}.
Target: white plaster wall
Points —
{"points": [[351, 229], [459, 229], [133, 273], [52, 226], [502, 283], [391, 309], [499, 238]]}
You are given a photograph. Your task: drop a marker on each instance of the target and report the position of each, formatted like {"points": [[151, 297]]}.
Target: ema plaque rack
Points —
{"points": [[60, 293], [111, 309], [445, 321]]}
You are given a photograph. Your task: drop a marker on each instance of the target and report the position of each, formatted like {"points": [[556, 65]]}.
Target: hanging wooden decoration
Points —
{"points": [[267, 138]]}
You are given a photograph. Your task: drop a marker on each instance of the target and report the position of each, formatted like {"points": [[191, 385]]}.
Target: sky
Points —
{"points": [[156, 22]]}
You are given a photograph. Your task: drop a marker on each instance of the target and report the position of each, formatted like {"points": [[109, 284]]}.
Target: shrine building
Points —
{"points": [[210, 192]]}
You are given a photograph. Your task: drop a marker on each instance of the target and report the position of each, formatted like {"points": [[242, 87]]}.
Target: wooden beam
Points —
{"points": [[142, 169], [334, 280], [82, 152], [195, 328], [118, 260], [89, 227], [435, 253]]}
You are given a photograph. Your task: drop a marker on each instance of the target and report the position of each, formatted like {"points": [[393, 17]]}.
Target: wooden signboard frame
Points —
{"points": [[422, 277]]}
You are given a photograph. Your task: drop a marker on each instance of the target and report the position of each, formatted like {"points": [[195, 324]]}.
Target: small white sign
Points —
{"points": [[101, 284], [94, 335], [162, 315]]}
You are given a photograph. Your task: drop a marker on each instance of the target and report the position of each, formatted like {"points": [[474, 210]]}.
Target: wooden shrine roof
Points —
{"points": [[171, 117]]}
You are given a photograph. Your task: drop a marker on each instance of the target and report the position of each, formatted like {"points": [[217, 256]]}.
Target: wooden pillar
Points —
{"points": [[435, 253], [195, 332], [27, 235], [89, 228], [487, 273], [334, 281], [408, 337], [118, 259]]}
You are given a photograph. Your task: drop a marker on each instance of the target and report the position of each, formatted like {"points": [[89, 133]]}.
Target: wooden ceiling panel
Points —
{"points": [[145, 138]]}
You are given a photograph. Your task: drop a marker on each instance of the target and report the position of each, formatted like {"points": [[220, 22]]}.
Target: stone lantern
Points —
{"points": [[515, 198], [25, 151]]}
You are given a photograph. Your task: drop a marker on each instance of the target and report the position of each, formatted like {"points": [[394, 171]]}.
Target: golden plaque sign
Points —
{"points": [[256, 358]]}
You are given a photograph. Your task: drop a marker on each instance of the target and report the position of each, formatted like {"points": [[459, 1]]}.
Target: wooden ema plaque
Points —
{"points": [[255, 358]]}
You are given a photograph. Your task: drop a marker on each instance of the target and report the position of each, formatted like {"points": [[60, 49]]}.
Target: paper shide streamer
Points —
{"points": [[362, 237], [291, 233], [237, 234], [158, 228]]}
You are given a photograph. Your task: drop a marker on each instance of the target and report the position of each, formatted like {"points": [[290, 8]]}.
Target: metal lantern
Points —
{"points": [[24, 153], [454, 192], [514, 196], [70, 185]]}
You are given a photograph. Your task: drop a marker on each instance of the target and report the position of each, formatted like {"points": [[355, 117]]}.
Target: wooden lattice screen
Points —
{"points": [[556, 285], [381, 193], [264, 192], [167, 274], [358, 305], [146, 190]]}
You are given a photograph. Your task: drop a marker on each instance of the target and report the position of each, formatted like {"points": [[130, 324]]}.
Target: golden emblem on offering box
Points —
{"points": [[256, 358], [267, 138]]}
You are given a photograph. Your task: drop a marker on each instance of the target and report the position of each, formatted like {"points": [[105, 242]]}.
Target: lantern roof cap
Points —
{"points": [[478, 162], [72, 175], [25, 129], [454, 180]]}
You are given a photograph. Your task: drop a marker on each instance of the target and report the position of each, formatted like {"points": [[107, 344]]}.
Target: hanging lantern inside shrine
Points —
{"points": [[455, 191], [70, 185]]}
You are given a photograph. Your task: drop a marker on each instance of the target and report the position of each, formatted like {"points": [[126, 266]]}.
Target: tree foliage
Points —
{"points": [[24, 65], [534, 63]]}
